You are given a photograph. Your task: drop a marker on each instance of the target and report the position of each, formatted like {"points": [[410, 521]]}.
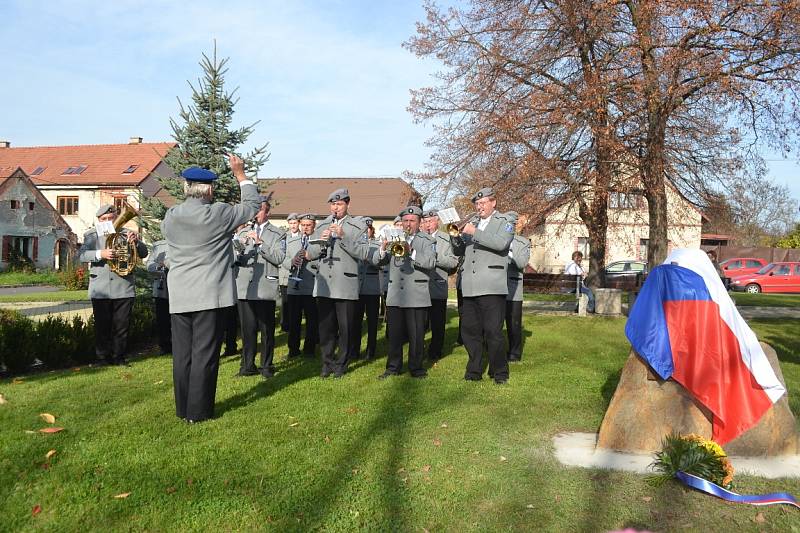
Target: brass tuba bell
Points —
{"points": [[125, 254]]}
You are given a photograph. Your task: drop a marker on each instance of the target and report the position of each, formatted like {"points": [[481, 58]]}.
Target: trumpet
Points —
{"points": [[454, 228], [397, 248]]}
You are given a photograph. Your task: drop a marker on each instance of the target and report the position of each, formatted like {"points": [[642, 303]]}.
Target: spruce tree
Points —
{"points": [[204, 137]]}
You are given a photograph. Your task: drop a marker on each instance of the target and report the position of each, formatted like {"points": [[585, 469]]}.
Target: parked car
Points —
{"points": [[739, 266], [774, 277], [623, 274]]}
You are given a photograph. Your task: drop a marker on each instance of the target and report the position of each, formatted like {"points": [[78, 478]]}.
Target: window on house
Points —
{"points": [[118, 203], [67, 205], [131, 169], [14, 204], [583, 246], [75, 170], [37, 171], [31, 205], [623, 200]]}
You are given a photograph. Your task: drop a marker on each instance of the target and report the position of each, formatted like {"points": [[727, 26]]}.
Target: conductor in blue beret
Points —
{"points": [[201, 283], [483, 243]]}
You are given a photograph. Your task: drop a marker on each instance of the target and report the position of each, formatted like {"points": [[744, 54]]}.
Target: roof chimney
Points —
{"points": [[135, 140], [5, 144]]}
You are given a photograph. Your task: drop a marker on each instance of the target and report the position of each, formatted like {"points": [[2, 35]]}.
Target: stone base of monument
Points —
{"points": [[645, 408]]}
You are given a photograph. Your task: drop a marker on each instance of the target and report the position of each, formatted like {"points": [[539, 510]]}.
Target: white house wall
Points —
{"points": [[89, 201]]}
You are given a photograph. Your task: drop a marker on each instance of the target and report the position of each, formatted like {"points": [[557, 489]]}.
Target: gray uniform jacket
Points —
{"points": [[102, 282], [337, 276], [200, 253], [520, 251], [446, 264], [283, 272], [409, 279], [369, 279], [158, 267], [485, 266], [308, 272], [257, 266]]}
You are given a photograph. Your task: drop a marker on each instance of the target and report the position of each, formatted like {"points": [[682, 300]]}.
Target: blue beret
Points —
{"points": [[486, 192], [198, 174]]}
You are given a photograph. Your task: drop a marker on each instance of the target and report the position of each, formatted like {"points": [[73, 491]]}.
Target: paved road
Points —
{"points": [[28, 290]]}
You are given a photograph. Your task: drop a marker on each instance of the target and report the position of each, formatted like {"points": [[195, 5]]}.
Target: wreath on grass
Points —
{"points": [[692, 454]]}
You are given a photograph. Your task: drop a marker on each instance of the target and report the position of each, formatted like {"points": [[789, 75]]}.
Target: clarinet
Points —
{"points": [[297, 266]]}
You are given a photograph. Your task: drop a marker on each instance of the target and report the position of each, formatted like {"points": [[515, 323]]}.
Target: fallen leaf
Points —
{"points": [[355, 471], [159, 382], [47, 417], [76, 369], [647, 498], [444, 425], [760, 518], [426, 468], [352, 410], [45, 466], [529, 506], [3, 399], [401, 470], [189, 481], [51, 430], [293, 424], [437, 442], [17, 381], [36, 510], [126, 376], [170, 490], [476, 452], [122, 495], [50, 454], [327, 439], [502, 458], [558, 497], [30, 432]]}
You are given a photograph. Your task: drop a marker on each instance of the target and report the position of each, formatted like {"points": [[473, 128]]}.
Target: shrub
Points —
{"points": [[74, 278], [17, 336], [82, 340], [18, 262], [54, 341]]}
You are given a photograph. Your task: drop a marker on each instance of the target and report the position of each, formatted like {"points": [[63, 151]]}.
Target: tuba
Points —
{"points": [[125, 254]]}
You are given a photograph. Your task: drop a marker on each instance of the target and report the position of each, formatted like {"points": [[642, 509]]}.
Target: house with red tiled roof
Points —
{"points": [[29, 224], [380, 198], [79, 179]]}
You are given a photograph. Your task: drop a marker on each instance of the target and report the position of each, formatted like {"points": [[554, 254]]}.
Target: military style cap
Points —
{"points": [[430, 213], [198, 174], [512, 217], [266, 198], [307, 216], [292, 216], [483, 193], [411, 210], [367, 220], [398, 218], [105, 208], [339, 194]]}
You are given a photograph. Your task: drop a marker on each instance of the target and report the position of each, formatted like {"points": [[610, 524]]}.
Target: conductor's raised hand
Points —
{"points": [[237, 166]]}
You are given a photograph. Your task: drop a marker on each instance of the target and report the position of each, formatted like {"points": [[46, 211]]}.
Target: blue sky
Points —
{"points": [[328, 79]]}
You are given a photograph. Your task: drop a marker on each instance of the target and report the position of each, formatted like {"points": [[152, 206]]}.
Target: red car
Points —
{"points": [[775, 277], [739, 266]]}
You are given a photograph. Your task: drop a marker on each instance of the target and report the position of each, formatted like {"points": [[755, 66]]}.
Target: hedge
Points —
{"points": [[58, 342]]}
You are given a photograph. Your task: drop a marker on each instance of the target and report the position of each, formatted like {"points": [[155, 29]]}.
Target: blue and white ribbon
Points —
{"points": [[706, 486]]}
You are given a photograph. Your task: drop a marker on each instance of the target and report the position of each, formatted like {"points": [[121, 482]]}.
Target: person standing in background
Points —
{"points": [[446, 264], [158, 268], [519, 253]]}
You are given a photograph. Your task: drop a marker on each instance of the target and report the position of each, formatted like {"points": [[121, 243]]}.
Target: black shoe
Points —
{"points": [[293, 354], [419, 376], [501, 382], [338, 375], [121, 361], [252, 372], [326, 373], [229, 353], [266, 374], [515, 359], [472, 378], [198, 421], [387, 375]]}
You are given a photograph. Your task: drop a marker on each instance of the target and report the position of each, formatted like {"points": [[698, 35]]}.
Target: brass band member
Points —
{"points": [[519, 253], [369, 293], [263, 251], [300, 290], [336, 286], [484, 245], [198, 234], [408, 299], [293, 225], [446, 264], [111, 294], [158, 267]]}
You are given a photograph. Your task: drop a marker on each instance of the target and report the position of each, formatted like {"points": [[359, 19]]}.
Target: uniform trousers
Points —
{"points": [[460, 303], [231, 329], [369, 304], [407, 323], [299, 306], [196, 340], [112, 318], [163, 324], [438, 317], [336, 318], [482, 320], [284, 308], [257, 316], [514, 330]]}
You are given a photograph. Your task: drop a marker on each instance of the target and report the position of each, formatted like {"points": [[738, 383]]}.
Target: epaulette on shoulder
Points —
{"points": [[357, 222]]}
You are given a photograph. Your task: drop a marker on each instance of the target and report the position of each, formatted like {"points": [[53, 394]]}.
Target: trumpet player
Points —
{"points": [[408, 299], [300, 289], [369, 293], [336, 286], [484, 242], [111, 294], [446, 264], [257, 288]]}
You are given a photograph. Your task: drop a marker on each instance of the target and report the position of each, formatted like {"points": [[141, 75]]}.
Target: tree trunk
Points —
{"points": [[656, 194]]}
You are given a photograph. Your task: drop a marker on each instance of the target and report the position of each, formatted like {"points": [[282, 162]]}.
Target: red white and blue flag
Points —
{"points": [[686, 327]]}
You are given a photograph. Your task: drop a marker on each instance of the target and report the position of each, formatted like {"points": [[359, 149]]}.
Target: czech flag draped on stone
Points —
{"points": [[686, 327]]}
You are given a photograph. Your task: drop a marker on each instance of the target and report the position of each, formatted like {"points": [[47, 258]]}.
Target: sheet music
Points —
{"points": [[449, 215], [104, 228]]}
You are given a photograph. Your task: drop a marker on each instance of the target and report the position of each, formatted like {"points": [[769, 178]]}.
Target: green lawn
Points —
{"points": [[10, 279], [298, 453], [55, 296], [766, 300]]}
